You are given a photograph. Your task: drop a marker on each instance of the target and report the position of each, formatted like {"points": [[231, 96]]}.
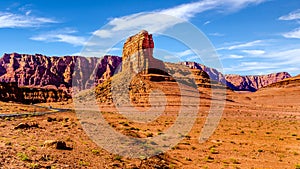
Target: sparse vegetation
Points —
{"points": [[95, 151], [149, 134], [188, 159], [34, 165], [23, 157], [209, 159], [118, 158], [213, 151], [234, 161], [83, 163], [260, 150]]}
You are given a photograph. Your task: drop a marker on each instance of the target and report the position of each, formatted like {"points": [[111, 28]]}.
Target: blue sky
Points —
{"points": [[249, 36]]}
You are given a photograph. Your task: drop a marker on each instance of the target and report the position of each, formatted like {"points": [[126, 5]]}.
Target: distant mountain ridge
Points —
{"points": [[286, 83], [253, 83], [240, 83], [56, 72]]}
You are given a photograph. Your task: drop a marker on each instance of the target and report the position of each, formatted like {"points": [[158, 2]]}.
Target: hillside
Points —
{"points": [[237, 82]]}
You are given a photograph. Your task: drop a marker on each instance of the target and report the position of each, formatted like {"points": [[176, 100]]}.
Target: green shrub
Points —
{"points": [[118, 158], [23, 157]]}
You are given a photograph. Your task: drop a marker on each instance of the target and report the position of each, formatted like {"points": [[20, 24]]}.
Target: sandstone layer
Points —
{"points": [[11, 92]]}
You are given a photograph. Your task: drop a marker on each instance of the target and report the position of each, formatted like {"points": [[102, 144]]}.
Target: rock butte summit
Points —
{"points": [[138, 55]]}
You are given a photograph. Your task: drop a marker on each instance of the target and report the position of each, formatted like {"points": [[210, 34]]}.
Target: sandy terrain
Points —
{"points": [[257, 130], [18, 108]]}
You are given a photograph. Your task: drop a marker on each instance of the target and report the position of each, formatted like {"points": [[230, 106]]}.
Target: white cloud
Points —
{"points": [[242, 45], [189, 10], [170, 57], [11, 20], [216, 34], [28, 13], [206, 23], [285, 57], [250, 66], [115, 49], [270, 62], [65, 35], [235, 56], [295, 15], [293, 34], [254, 52], [98, 53], [103, 33], [158, 22], [177, 55], [184, 53], [155, 22]]}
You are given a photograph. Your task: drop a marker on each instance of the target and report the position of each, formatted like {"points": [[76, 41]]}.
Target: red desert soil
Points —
{"points": [[257, 130], [18, 108]]}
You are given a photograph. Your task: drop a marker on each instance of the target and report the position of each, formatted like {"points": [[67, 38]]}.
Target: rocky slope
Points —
{"points": [[237, 82]]}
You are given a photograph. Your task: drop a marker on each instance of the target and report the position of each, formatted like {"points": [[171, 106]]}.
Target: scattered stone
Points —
{"points": [[26, 126], [50, 119], [49, 143], [60, 145]]}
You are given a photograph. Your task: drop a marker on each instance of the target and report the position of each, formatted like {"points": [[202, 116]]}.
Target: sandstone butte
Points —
{"points": [[138, 55]]}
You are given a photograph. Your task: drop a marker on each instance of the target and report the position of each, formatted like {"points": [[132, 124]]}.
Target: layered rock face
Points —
{"points": [[11, 92], [56, 72], [138, 55], [237, 82]]}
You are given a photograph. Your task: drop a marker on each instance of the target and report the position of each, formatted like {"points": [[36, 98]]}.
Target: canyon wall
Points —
{"points": [[56, 72]]}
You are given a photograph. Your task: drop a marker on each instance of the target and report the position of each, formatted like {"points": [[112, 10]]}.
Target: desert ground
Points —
{"points": [[257, 130]]}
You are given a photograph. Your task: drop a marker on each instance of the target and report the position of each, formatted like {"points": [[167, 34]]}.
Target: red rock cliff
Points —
{"points": [[42, 71]]}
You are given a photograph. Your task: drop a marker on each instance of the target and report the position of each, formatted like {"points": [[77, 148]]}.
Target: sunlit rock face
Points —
{"points": [[138, 55]]}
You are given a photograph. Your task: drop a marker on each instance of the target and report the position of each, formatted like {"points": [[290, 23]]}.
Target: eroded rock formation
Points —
{"points": [[138, 55]]}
